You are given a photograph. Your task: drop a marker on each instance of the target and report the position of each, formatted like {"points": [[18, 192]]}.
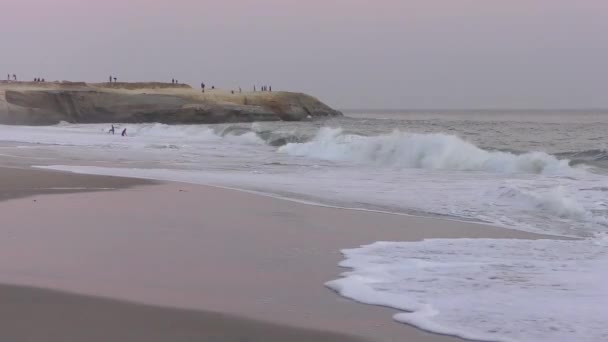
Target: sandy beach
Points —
{"points": [[189, 247]]}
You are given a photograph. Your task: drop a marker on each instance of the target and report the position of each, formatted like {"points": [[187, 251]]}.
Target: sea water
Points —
{"points": [[543, 172]]}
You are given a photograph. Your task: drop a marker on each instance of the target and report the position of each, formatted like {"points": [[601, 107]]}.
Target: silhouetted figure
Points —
{"points": [[212, 87], [111, 130], [270, 89], [14, 77], [240, 90], [43, 80], [176, 82], [8, 77], [115, 79], [124, 132], [232, 92], [254, 89], [173, 81], [203, 86], [110, 78]]}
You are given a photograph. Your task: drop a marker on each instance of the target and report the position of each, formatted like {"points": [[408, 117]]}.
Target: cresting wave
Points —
{"points": [[595, 157], [426, 151], [437, 151], [398, 149]]}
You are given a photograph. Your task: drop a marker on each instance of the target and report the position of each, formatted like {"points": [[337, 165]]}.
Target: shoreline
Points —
{"points": [[181, 245], [448, 218]]}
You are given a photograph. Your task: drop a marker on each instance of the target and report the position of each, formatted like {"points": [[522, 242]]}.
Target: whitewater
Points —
{"points": [[543, 172]]}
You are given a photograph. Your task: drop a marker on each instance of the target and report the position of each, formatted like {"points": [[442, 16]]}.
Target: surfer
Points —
{"points": [[124, 132], [111, 130]]}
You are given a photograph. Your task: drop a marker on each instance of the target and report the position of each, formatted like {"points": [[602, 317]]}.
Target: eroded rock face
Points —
{"points": [[35, 104]]}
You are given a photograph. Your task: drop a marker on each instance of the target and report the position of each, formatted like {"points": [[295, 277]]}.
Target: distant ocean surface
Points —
{"points": [[537, 171]]}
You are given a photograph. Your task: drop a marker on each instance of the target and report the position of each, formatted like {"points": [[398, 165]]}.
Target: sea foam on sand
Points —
{"points": [[487, 289]]}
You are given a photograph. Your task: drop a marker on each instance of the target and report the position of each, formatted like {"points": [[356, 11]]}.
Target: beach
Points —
{"points": [[269, 171], [202, 263]]}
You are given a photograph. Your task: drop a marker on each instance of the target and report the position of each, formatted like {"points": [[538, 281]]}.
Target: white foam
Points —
{"points": [[426, 151], [484, 289], [546, 205]]}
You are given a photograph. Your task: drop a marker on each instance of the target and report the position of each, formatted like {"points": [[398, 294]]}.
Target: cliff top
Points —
{"points": [[35, 102]]}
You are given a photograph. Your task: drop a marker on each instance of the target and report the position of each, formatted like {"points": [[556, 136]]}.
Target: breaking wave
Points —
{"points": [[594, 157], [199, 133], [426, 151], [555, 202]]}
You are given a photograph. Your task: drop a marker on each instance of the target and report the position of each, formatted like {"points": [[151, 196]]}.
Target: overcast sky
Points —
{"points": [[349, 53]]}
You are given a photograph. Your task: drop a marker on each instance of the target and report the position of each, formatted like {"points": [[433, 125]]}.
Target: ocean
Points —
{"points": [[537, 171]]}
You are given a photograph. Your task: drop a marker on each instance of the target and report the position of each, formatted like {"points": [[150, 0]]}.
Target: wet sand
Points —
{"points": [[203, 248], [31, 314], [23, 182]]}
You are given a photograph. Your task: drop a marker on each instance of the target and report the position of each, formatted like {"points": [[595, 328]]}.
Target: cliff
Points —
{"points": [[25, 103]]}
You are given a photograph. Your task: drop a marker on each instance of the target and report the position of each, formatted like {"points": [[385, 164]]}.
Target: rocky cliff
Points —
{"points": [[26, 103]]}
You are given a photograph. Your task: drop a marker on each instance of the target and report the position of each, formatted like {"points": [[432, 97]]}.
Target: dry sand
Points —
{"points": [[202, 248]]}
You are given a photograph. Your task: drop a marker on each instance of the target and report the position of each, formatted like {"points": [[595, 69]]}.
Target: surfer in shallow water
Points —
{"points": [[112, 130], [124, 132]]}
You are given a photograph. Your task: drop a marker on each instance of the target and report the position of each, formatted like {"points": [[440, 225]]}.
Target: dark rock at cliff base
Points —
{"points": [[50, 103]]}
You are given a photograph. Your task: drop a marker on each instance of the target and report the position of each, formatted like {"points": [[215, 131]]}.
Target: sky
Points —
{"points": [[352, 54]]}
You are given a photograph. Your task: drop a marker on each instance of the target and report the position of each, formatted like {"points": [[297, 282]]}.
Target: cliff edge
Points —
{"points": [[28, 103]]}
